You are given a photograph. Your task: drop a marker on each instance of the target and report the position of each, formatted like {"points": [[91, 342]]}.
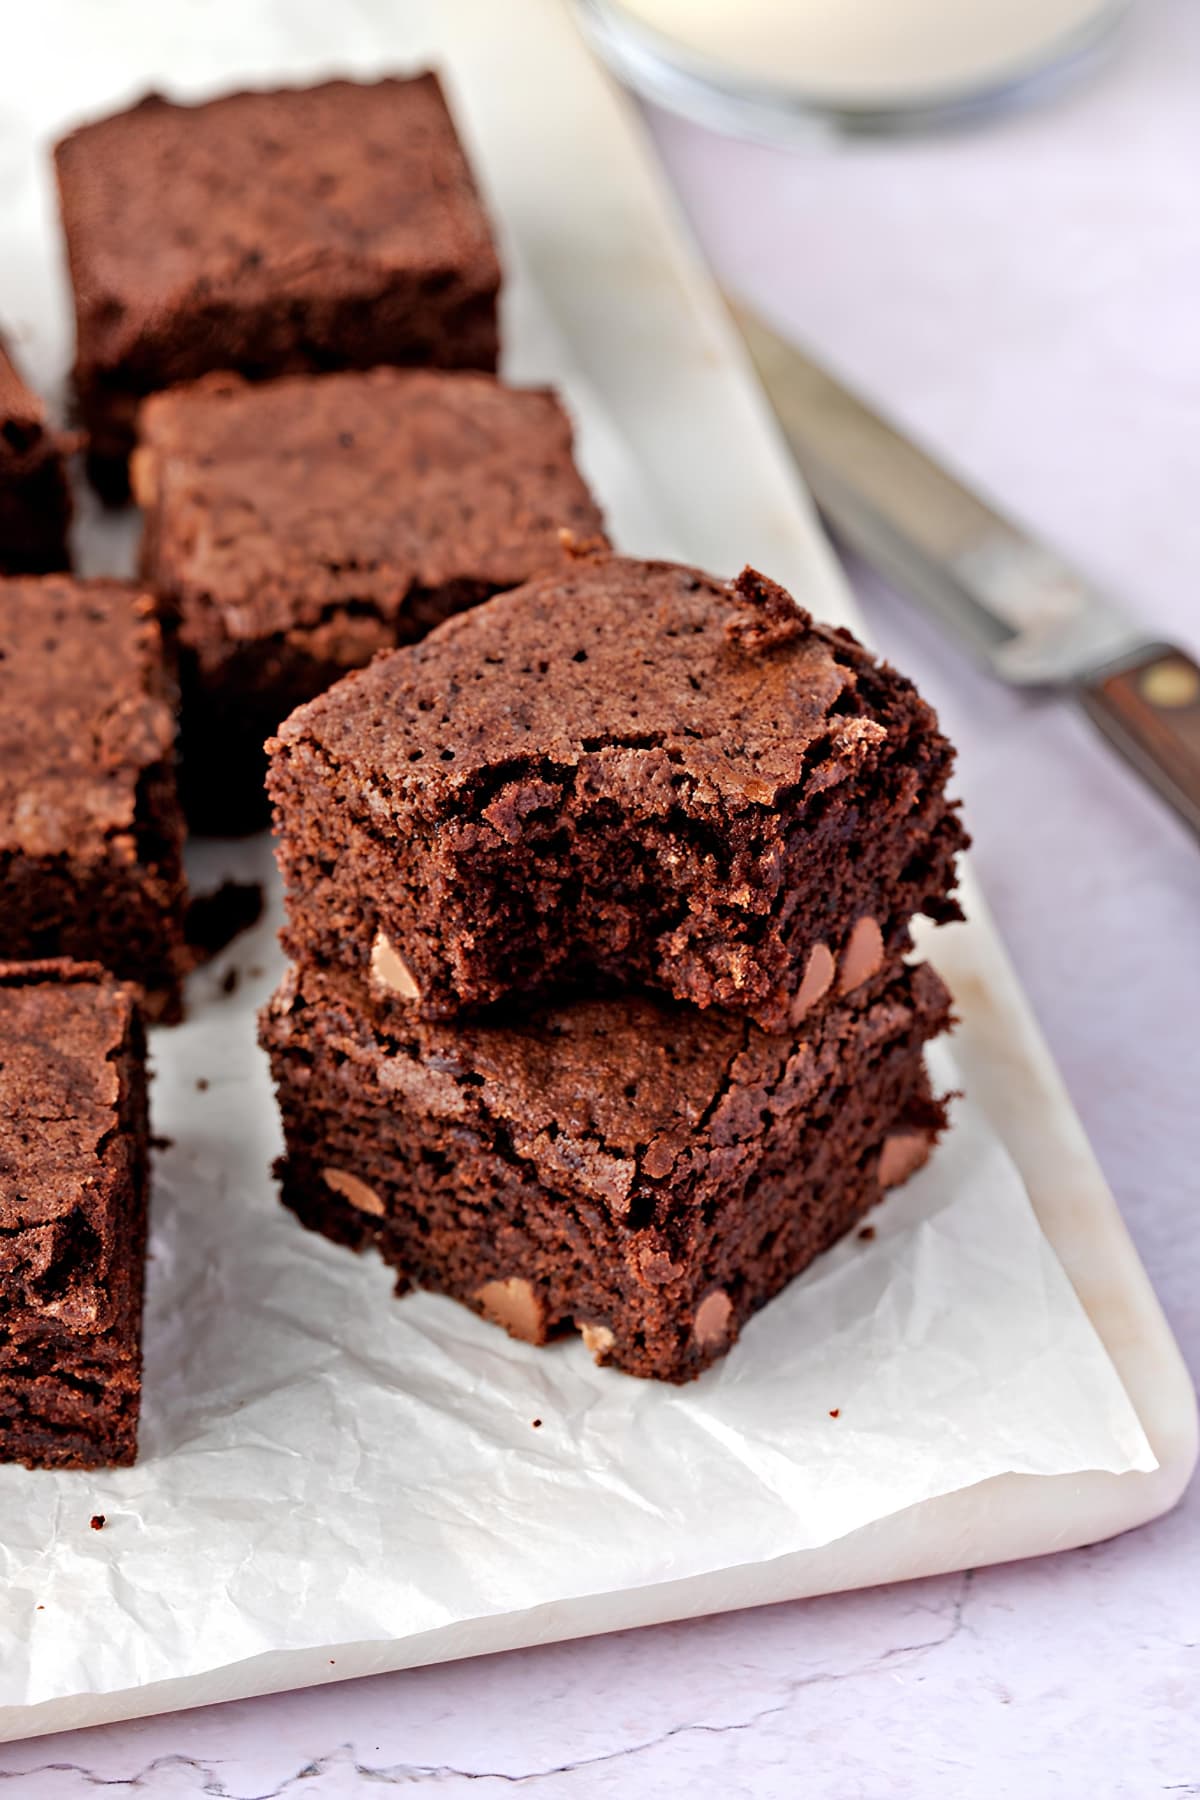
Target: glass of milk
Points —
{"points": [[778, 67]]}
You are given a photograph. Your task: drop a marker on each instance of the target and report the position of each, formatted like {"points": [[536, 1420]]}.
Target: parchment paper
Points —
{"points": [[322, 1464]]}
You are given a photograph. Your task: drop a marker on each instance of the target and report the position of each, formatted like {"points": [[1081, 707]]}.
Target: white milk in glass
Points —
{"points": [[867, 53]]}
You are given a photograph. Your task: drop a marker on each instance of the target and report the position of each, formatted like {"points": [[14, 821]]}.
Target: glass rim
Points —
{"points": [[701, 90]]}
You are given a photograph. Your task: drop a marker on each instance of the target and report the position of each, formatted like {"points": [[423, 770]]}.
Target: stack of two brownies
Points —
{"points": [[599, 1016]]}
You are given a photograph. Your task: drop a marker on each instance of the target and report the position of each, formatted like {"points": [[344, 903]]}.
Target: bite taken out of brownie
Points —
{"points": [[328, 227], [35, 500], [627, 774], [646, 1174], [91, 832], [295, 527], [74, 1161]]}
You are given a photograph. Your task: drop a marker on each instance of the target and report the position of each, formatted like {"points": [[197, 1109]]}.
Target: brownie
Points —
{"points": [[646, 1174], [622, 775], [73, 1181], [307, 228], [294, 527], [91, 833], [35, 501]]}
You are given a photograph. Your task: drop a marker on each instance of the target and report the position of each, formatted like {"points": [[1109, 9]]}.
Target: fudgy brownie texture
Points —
{"points": [[35, 500], [628, 774], [91, 832], [309, 228], [73, 1179], [295, 527], [650, 1175]]}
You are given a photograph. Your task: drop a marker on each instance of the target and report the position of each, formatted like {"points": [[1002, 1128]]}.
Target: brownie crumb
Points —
{"points": [[98, 1521], [162, 1143], [580, 548], [230, 981], [202, 1084], [766, 617], [835, 1412], [535, 1423], [215, 919], [867, 1233]]}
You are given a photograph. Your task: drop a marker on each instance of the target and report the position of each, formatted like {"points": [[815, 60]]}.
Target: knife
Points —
{"points": [[1024, 612]]}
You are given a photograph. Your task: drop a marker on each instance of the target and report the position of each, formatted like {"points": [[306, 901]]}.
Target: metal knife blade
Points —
{"points": [[1017, 604], [1014, 603]]}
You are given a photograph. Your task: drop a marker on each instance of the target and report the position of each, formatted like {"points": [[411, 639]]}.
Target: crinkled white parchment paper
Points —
{"points": [[321, 1464]]}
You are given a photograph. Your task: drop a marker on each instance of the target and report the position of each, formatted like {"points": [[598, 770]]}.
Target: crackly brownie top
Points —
{"points": [[601, 1094], [264, 197], [82, 712], [62, 1027], [275, 502], [659, 678]]}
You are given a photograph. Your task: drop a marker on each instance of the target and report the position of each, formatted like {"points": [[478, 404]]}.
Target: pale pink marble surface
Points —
{"points": [[1027, 298]]}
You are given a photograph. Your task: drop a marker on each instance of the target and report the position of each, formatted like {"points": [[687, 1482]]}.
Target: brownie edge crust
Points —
{"points": [[645, 1174], [74, 1160]]}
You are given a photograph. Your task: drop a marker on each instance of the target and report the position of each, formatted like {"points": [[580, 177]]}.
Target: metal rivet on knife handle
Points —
{"points": [[1150, 708], [1170, 683]]}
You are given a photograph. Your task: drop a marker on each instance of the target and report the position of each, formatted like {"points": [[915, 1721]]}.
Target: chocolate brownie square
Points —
{"points": [[74, 1161], [645, 1174], [35, 501], [91, 833], [307, 228], [295, 527], [627, 774]]}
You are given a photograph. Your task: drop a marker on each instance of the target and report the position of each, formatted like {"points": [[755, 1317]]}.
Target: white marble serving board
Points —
{"points": [[598, 258]]}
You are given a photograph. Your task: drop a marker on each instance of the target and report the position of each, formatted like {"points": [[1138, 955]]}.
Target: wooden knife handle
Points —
{"points": [[1150, 708]]}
